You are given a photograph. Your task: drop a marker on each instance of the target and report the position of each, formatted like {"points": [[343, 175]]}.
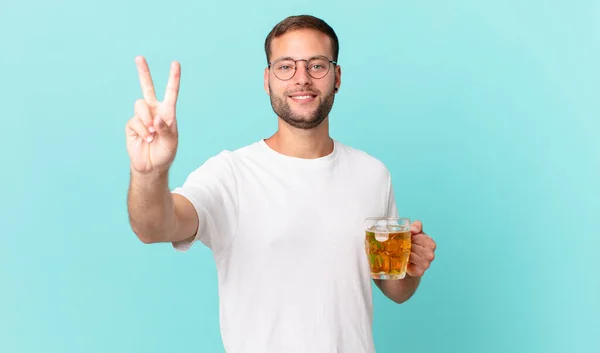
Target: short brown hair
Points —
{"points": [[302, 22]]}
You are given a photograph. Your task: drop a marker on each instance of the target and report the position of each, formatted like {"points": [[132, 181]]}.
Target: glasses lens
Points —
{"points": [[318, 67], [284, 69]]}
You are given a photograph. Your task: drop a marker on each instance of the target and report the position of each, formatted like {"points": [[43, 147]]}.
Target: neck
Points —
{"points": [[300, 143]]}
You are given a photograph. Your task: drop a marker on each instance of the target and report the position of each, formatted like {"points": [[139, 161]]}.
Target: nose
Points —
{"points": [[302, 77]]}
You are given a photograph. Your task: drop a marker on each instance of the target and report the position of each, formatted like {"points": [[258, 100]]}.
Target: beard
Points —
{"points": [[308, 120]]}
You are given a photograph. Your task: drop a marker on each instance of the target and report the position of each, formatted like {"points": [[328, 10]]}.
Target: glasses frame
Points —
{"points": [[305, 66]]}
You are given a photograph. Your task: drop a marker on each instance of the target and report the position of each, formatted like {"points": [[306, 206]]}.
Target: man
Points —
{"points": [[283, 216]]}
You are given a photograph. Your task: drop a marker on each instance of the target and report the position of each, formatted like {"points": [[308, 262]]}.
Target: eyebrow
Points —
{"points": [[283, 58], [290, 58]]}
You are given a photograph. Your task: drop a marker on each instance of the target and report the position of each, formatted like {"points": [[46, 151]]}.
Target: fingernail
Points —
{"points": [[414, 229], [149, 138], [151, 129]]}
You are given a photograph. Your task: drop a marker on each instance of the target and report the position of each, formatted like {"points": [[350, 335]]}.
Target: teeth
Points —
{"points": [[301, 97]]}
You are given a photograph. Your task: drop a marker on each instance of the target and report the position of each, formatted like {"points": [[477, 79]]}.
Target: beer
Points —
{"points": [[388, 250]]}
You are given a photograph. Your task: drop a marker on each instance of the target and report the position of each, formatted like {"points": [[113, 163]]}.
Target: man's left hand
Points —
{"points": [[421, 252]]}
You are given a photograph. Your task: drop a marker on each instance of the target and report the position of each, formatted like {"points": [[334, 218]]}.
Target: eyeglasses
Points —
{"points": [[316, 67]]}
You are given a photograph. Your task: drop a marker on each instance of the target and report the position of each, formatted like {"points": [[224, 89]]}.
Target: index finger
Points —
{"points": [[145, 79], [172, 90], [423, 240]]}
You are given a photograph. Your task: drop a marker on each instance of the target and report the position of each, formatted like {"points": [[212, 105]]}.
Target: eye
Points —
{"points": [[318, 65], [284, 65]]}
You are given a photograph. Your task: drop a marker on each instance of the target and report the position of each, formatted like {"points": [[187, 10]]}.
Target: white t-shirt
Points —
{"points": [[287, 235]]}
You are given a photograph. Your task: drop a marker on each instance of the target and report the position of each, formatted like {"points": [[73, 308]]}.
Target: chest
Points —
{"points": [[308, 216]]}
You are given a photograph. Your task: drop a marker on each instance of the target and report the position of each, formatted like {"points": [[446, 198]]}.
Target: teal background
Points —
{"points": [[486, 113]]}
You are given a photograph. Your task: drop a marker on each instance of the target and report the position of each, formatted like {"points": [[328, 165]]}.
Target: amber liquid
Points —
{"points": [[388, 253]]}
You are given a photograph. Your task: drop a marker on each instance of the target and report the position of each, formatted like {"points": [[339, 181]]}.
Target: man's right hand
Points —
{"points": [[152, 132]]}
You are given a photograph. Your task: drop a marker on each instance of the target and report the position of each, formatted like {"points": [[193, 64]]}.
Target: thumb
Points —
{"points": [[416, 227]]}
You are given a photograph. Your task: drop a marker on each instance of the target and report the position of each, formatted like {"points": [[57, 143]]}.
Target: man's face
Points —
{"points": [[302, 101]]}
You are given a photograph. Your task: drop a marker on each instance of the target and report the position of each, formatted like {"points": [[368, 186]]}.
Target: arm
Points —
{"points": [[421, 255], [152, 139], [399, 290], [155, 214]]}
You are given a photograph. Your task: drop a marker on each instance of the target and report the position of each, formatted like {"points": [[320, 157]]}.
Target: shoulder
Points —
{"points": [[231, 157], [362, 159], [227, 162]]}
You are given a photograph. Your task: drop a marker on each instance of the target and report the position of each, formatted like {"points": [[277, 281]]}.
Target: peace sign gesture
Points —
{"points": [[152, 132]]}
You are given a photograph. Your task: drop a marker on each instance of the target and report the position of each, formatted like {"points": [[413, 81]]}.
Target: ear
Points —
{"points": [[266, 81], [338, 78]]}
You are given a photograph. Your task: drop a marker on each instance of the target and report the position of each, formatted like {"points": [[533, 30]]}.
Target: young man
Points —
{"points": [[283, 216]]}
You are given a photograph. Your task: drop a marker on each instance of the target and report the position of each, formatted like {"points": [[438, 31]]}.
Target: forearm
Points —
{"points": [[399, 290], [150, 205]]}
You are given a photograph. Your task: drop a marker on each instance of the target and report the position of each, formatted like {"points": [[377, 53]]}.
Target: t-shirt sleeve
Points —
{"points": [[391, 208], [212, 190]]}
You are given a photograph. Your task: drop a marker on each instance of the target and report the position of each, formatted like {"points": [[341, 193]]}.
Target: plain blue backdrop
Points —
{"points": [[486, 113]]}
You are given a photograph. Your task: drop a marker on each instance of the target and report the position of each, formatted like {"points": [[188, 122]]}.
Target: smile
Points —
{"points": [[303, 97]]}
